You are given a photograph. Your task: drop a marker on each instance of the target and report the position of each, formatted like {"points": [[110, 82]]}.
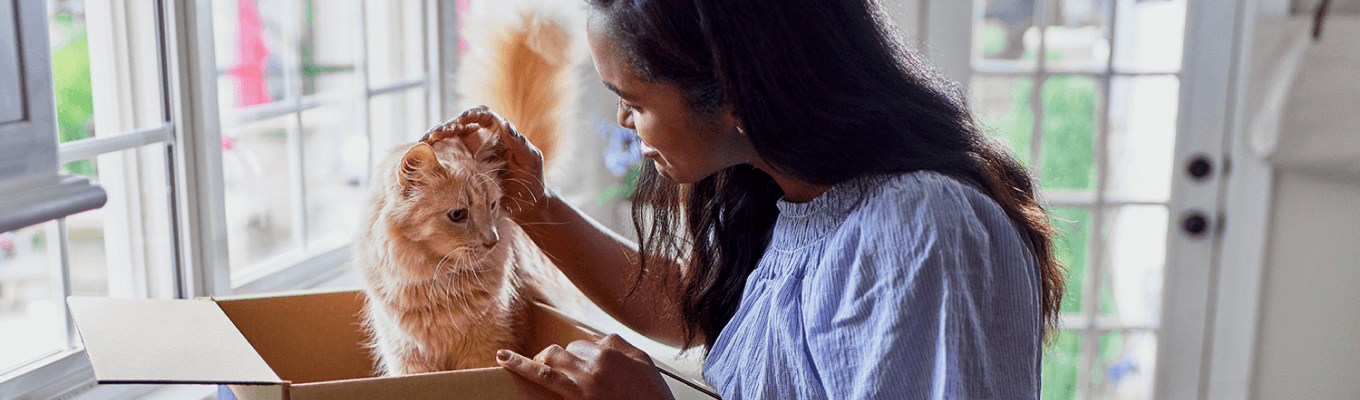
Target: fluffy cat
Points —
{"points": [[446, 273], [440, 262]]}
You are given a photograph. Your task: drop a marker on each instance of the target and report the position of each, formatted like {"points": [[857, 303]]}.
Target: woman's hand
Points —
{"points": [[609, 368], [522, 177]]}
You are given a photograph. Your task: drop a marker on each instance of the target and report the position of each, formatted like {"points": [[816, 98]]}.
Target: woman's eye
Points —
{"points": [[458, 215]]}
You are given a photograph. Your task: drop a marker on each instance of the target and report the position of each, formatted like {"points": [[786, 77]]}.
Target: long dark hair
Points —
{"points": [[827, 92]]}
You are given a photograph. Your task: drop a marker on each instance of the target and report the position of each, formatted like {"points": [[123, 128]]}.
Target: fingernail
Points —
{"points": [[502, 355]]}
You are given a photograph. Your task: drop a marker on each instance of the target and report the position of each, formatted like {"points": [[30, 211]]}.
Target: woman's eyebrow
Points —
{"points": [[618, 91]]}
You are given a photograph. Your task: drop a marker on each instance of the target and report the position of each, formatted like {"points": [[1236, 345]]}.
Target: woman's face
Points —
{"points": [[685, 147]]}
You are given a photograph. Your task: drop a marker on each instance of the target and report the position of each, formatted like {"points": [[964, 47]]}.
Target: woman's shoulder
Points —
{"points": [[923, 197], [918, 214]]}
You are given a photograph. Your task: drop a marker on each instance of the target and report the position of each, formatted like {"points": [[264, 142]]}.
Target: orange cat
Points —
{"points": [[440, 262], [447, 274]]}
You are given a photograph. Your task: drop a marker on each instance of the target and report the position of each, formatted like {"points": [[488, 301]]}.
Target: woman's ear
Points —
{"points": [[419, 166]]}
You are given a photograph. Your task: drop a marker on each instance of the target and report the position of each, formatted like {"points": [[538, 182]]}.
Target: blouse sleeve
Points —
{"points": [[934, 298]]}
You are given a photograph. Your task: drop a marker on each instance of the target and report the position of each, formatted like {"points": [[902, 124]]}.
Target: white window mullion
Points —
{"points": [[60, 249], [292, 82], [438, 14], [127, 96], [89, 148], [361, 68], [198, 181]]}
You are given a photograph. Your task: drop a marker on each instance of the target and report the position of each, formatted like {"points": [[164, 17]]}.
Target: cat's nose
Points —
{"points": [[491, 238]]}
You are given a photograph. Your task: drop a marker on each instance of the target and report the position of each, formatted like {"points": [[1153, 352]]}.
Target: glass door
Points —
{"points": [[1086, 93]]}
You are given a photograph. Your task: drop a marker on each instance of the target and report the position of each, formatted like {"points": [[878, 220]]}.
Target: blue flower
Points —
{"points": [[624, 147]]}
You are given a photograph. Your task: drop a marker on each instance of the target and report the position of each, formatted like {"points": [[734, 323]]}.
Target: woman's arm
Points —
{"points": [[601, 263], [604, 266]]}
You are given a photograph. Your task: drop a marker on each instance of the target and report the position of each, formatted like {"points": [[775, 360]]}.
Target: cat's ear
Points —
{"points": [[419, 166]]}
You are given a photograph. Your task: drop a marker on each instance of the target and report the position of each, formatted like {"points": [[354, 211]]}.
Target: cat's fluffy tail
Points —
{"points": [[519, 63]]}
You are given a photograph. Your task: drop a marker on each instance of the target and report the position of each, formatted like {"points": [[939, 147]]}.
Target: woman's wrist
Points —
{"points": [[541, 210]]}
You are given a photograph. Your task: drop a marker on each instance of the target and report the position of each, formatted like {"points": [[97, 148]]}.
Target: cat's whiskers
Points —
{"points": [[441, 262]]}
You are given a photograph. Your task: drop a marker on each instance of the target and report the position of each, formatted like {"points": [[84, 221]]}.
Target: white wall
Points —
{"points": [[1308, 331], [1309, 344]]}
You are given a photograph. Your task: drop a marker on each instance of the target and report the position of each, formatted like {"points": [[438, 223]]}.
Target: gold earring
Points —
{"points": [[741, 131]]}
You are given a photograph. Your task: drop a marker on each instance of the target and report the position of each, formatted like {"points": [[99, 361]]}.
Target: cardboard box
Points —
{"points": [[292, 347]]}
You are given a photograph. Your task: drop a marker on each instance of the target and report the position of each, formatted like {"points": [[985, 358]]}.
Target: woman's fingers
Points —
{"points": [[616, 343], [521, 176], [539, 373], [455, 130], [608, 368], [557, 357]]}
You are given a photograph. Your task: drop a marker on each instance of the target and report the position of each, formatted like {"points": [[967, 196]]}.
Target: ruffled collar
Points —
{"points": [[800, 224]]}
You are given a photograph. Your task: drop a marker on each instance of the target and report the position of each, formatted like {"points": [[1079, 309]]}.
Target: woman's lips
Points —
{"points": [[647, 151]]}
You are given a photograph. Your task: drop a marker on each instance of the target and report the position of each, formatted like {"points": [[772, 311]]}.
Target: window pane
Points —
{"points": [[70, 46], [124, 248], [250, 44], [258, 178], [396, 41], [1126, 363], [329, 46], [1142, 136], [1001, 104], [31, 310], [1006, 33], [1069, 132], [397, 118], [335, 153], [1079, 38], [1149, 35], [1137, 254], [89, 265], [1071, 245], [1060, 367]]}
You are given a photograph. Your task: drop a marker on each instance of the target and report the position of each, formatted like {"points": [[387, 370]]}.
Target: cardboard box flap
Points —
{"points": [[304, 338], [165, 341]]}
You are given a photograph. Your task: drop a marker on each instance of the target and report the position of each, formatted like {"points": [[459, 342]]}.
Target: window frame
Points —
{"points": [[191, 134], [68, 372]]}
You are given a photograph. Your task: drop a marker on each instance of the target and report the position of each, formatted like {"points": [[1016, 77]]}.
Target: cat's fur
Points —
{"points": [[447, 274]]}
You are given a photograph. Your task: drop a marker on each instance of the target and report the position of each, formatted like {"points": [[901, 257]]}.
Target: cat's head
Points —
{"points": [[447, 202]]}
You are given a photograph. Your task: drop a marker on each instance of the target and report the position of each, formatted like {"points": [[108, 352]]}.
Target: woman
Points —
{"points": [[819, 212]]}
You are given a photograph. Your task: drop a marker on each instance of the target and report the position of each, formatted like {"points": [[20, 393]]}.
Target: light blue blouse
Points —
{"points": [[914, 286]]}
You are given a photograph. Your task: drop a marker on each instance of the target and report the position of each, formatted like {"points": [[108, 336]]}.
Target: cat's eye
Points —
{"points": [[458, 215]]}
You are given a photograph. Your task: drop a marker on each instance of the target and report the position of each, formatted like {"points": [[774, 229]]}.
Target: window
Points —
{"points": [[305, 94], [308, 103], [1086, 93]]}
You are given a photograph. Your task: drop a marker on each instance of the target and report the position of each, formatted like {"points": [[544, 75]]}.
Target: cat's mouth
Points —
{"points": [[465, 261]]}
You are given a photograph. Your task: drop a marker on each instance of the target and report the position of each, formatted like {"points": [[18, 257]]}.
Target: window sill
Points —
{"points": [[292, 273], [59, 375]]}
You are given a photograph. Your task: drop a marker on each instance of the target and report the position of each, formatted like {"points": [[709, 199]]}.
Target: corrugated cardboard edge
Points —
{"points": [[259, 392], [483, 383]]}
